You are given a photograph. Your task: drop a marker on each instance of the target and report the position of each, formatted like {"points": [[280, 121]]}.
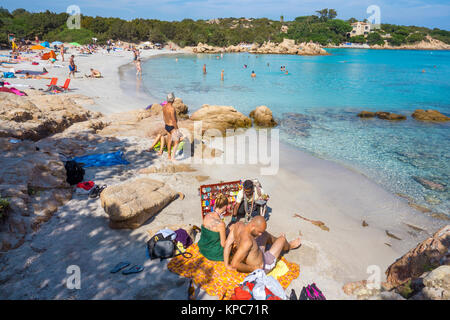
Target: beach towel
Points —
{"points": [[102, 159], [214, 278], [13, 90]]}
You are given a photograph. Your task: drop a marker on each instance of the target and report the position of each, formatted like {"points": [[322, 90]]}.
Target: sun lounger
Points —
{"points": [[53, 82], [65, 87]]}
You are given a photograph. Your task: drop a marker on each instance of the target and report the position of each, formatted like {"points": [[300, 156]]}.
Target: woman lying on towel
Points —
{"points": [[213, 236]]}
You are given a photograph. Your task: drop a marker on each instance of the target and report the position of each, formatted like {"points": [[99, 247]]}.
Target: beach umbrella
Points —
{"points": [[37, 47], [56, 43], [45, 44], [75, 44]]}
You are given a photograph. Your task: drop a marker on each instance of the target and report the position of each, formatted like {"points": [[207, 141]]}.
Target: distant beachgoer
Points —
{"points": [[245, 66], [32, 76], [138, 67], [253, 74], [213, 235], [62, 52], [204, 69], [286, 72], [176, 60], [72, 66], [170, 122], [221, 75], [268, 64], [250, 241], [94, 74]]}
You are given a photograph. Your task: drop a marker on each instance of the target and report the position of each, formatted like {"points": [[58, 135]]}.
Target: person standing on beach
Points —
{"points": [[138, 67], [72, 66], [62, 52], [170, 124], [221, 75], [204, 69]]}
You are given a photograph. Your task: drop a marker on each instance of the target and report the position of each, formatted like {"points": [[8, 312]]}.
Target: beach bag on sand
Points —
{"points": [[74, 172], [163, 248]]}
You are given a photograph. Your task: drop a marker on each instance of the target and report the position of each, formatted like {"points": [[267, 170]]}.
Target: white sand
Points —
{"points": [[78, 234]]}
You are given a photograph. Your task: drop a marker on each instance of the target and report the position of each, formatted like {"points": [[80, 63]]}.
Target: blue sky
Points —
{"points": [[427, 13]]}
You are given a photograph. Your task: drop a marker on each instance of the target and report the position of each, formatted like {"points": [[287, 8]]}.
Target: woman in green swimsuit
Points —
{"points": [[213, 236]]}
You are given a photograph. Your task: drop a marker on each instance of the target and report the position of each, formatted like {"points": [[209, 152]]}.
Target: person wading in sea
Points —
{"points": [[170, 121], [204, 69], [221, 75]]}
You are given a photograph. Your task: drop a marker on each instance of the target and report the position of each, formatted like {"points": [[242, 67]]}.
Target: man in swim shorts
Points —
{"points": [[251, 241], [170, 121], [72, 66]]}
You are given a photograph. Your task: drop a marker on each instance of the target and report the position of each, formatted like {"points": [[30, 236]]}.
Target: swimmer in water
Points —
{"points": [[204, 69], [253, 74], [221, 75]]}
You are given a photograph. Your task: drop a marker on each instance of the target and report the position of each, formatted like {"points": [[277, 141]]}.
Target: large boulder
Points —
{"points": [[133, 202], [437, 284], [429, 115], [263, 117], [389, 116], [432, 252], [221, 118], [36, 117]]}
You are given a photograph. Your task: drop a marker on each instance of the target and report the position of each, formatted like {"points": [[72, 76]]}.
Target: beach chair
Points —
{"points": [[208, 193], [53, 82], [65, 87]]}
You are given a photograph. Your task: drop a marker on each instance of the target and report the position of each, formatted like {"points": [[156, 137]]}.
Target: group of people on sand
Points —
{"points": [[243, 246]]}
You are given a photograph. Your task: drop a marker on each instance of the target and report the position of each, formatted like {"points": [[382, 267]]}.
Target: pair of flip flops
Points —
{"points": [[124, 264], [96, 190]]}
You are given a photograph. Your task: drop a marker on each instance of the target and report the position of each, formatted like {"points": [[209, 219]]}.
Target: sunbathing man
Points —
{"points": [[32, 76], [170, 121], [94, 74], [213, 236], [250, 200], [251, 241]]}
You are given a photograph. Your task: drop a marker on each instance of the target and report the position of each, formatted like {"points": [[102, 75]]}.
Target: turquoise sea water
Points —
{"points": [[317, 102]]}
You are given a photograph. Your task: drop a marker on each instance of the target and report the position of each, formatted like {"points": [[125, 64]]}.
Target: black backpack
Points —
{"points": [[74, 172], [163, 248]]}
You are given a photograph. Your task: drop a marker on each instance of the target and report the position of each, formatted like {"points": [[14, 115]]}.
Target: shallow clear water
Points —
{"points": [[317, 103]]}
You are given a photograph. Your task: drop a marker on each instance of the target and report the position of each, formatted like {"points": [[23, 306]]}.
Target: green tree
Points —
{"points": [[374, 38]]}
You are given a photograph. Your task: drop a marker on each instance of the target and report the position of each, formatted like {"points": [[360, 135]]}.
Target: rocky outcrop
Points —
{"points": [[429, 115], [262, 117], [38, 116], [220, 118], [205, 48], [432, 252], [434, 285], [381, 115], [389, 116], [288, 46], [428, 43], [131, 203], [34, 182]]}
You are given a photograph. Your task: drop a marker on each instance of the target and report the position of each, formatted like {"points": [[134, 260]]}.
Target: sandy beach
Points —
{"points": [[78, 233]]}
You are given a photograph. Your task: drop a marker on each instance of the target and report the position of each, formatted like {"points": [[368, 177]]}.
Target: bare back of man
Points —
{"points": [[170, 122], [250, 241]]}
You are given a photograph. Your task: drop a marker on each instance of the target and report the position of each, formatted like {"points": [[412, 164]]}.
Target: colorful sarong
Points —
{"points": [[214, 278]]}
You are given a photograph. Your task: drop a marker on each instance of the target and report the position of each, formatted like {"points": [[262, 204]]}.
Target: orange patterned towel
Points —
{"points": [[214, 278]]}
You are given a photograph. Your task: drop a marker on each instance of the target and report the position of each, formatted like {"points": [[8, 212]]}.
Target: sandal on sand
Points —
{"points": [[120, 266], [95, 192], [133, 269]]}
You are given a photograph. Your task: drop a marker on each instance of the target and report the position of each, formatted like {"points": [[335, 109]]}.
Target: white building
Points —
{"points": [[360, 29]]}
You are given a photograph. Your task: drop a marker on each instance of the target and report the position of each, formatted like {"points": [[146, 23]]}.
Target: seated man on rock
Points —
{"points": [[250, 241], [251, 200]]}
